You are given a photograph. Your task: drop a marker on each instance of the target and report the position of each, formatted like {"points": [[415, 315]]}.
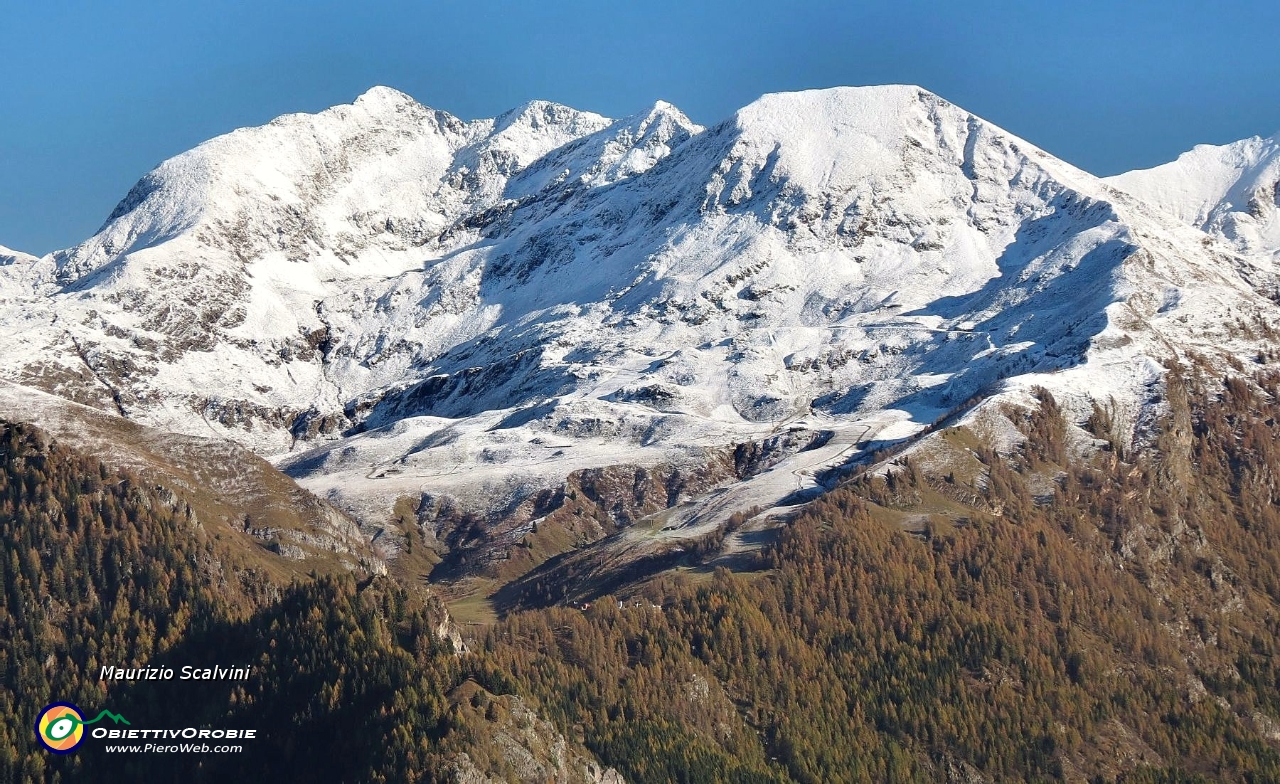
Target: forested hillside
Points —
{"points": [[350, 682], [98, 570], [1121, 625], [1123, 629]]}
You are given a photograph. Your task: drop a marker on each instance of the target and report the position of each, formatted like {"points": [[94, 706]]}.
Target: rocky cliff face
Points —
{"points": [[520, 745]]}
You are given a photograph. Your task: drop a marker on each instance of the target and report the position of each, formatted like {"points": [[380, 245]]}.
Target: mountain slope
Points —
{"points": [[1055, 615], [253, 249], [392, 303], [104, 568], [251, 508], [878, 261]]}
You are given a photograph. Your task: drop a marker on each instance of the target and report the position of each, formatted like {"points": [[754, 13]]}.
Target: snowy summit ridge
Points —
{"points": [[1232, 191], [381, 294]]}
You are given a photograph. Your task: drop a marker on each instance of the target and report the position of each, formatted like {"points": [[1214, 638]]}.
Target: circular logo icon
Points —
{"points": [[60, 727]]}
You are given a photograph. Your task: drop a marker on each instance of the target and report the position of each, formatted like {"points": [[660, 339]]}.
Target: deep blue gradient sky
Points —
{"points": [[94, 94]]}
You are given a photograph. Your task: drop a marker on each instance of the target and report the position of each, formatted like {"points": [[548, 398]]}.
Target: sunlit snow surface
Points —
{"points": [[386, 300], [1231, 192]]}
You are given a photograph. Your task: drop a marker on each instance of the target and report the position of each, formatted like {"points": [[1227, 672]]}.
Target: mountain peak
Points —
{"points": [[839, 139], [879, 109], [380, 98], [539, 115], [662, 110], [846, 98], [1230, 190]]}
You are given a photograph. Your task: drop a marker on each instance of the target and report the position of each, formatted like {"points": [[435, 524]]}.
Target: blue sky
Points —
{"points": [[94, 94]]}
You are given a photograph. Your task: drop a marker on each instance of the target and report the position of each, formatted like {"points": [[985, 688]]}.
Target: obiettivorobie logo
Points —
{"points": [[60, 726]]}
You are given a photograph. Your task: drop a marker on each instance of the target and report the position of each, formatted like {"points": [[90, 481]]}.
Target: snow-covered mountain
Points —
{"points": [[388, 301], [1232, 191]]}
